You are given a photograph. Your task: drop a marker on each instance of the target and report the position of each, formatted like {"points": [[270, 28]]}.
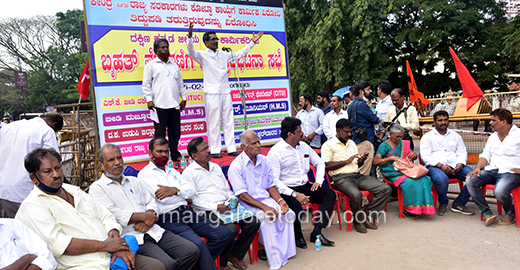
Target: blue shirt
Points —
{"points": [[364, 118]]}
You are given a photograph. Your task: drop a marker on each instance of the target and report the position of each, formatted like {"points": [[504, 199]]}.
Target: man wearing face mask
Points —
{"points": [[219, 106], [171, 191], [78, 231], [17, 140], [163, 90], [312, 121]]}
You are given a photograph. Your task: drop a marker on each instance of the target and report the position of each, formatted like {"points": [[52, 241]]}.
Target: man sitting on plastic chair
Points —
{"points": [[290, 162], [444, 153], [500, 161], [342, 160]]}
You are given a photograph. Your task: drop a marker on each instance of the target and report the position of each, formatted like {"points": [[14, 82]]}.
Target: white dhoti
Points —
{"points": [[278, 236], [220, 107]]}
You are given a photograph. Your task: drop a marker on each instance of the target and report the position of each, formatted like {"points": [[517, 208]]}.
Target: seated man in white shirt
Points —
{"points": [[135, 209], [444, 154], [78, 231], [252, 181], [290, 161], [329, 122], [21, 248], [213, 192], [171, 191], [501, 163]]}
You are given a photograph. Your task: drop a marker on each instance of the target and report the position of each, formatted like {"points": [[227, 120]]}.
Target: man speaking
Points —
{"points": [[216, 88]]}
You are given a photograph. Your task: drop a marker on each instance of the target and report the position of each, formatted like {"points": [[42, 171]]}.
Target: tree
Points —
{"points": [[511, 40], [49, 47]]}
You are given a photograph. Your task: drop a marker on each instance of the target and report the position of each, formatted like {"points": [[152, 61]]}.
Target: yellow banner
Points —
{"points": [[120, 55]]}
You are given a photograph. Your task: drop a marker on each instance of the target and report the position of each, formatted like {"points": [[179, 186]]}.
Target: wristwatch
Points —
{"points": [[294, 194], [178, 191]]}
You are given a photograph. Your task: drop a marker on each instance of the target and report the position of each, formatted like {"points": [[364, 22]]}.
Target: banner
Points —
{"points": [[121, 37]]}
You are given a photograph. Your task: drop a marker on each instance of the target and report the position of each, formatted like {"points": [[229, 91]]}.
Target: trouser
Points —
{"points": [[324, 196], [184, 222], [170, 118], [239, 247], [147, 263], [351, 183], [504, 183], [368, 147], [219, 107], [10, 208], [442, 181], [172, 250]]}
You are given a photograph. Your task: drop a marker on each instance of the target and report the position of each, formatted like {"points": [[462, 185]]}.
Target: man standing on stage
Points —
{"points": [[216, 88], [163, 90]]}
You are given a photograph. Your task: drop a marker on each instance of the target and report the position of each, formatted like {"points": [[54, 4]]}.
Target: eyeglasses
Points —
{"points": [[398, 137], [212, 39]]}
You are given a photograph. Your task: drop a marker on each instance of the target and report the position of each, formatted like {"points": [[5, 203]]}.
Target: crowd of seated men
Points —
{"points": [[163, 219]]}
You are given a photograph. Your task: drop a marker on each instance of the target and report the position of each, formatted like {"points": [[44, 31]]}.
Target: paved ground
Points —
{"points": [[454, 241]]}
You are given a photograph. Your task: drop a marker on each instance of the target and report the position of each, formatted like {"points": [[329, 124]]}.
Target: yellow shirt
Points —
{"points": [[57, 222], [334, 150]]}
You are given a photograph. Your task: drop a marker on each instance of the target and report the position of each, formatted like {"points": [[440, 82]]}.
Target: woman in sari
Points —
{"points": [[417, 193]]}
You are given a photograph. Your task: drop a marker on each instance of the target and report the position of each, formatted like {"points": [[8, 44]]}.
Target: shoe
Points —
{"points": [[359, 227], [461, 209], [233, 154], [489, 219], [408, 215], [301, 243], [370, 225], [262, 255], [216, 155], [442, 210], [324, 241]]}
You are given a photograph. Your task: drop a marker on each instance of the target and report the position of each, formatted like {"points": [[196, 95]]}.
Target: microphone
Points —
{"points": [[227, 49]]}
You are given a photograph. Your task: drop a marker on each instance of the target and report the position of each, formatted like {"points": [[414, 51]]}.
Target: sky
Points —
{"points": [[29, 8]]}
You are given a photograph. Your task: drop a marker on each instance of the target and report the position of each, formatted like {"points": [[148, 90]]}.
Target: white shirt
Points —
{"points": [[162, 84], [411, 122], [125, 199], [503, 155], [312, 122], [382, 107], [19, 139], [448, 149], [57, 222], [291, 165], [212, 186], [215, 66], [17, 240], [329, 122], [152, 176]]}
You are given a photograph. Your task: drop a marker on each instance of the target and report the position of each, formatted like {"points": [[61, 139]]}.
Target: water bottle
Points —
{"points": [[170, 162], [183, 163], [318, 243], [190, 160]]}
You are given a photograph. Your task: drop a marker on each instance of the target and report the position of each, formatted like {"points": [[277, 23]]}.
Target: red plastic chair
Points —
{"points": [[499, 205], [217, 260], [316, 206], [347, 205], [400, 198], [253, 249], [516, 200]]}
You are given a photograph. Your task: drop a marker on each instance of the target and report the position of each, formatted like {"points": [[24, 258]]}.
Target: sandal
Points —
{"points": [[238, 264], [506, 220], [408, 215], [489, 219]]}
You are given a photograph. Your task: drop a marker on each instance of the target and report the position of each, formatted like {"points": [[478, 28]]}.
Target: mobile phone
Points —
{"points": [[387, 123]]}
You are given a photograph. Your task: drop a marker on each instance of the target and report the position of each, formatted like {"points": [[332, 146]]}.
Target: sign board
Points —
{"points": [[121, 36], [462, 110], [20, 79]]}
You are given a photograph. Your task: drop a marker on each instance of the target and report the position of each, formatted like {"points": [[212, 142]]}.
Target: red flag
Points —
{"points": [[84, 83], [415, 94], [470, 88]]}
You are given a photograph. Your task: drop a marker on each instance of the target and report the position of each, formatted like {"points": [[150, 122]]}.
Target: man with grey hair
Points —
{"points": [[17, 140], [136, 211], [252, 180]]}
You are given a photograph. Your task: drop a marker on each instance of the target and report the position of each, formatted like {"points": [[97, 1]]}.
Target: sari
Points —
{"points": [[417, 193]]}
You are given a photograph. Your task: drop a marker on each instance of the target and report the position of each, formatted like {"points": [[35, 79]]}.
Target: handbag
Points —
{"points": [[361, 132], [408, 168]]}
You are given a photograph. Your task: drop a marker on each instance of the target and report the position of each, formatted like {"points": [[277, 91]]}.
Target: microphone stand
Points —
{"points": [[241, 88]]}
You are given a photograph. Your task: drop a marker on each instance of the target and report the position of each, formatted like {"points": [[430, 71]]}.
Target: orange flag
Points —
{"points": [[470, 88], [84, 83], [415, 94]]}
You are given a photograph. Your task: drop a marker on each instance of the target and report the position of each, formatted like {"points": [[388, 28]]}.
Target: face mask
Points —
{"points": [[305, 106], [111, 176], [160, 161], [46, 188], [164, 56]]}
